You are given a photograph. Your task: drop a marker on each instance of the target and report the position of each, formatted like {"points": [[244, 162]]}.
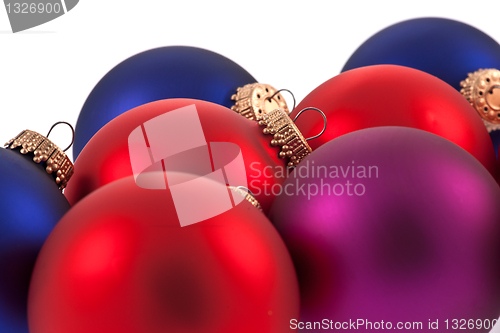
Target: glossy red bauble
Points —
{"points": [[119, 261], [388, 95]]}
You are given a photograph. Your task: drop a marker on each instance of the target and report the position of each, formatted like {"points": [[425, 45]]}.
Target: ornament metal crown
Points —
{"points": [[285, 135], [254, 100], [482, 90], [44, 150]]}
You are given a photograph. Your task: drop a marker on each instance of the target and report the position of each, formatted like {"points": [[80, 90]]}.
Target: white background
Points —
{"points": [[47, 72]]}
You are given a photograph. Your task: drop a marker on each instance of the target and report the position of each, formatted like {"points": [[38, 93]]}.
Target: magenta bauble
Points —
{"points": [[393, 224]]}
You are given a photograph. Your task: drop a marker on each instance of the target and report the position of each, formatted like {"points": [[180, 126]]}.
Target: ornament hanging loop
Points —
{"points": [[247, 190], [324, 119], [494, 87], [72, 131], [293, 96]]}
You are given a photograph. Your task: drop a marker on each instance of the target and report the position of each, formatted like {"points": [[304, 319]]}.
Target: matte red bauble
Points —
{"points": [[106, 156], [119, 261], [388, 95]]}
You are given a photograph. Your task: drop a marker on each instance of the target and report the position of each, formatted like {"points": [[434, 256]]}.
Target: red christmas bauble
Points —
{"points": [[106, 157], [119, 261], [388, 95]]}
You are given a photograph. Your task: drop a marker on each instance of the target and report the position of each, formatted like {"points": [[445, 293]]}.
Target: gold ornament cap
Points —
{"points": [[45, 151], [286, 135], [247, 194], [482, 90], [254, 100]]}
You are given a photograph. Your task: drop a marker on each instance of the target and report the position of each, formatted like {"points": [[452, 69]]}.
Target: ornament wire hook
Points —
{"points": [[324, 119], [291, 93], [246, 189], [72, 130], [494, 87]]}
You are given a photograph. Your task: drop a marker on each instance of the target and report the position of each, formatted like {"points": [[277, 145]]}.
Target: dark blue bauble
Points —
{"points": [[495, 137], [162, 73], [30, 206], [444, 48]]}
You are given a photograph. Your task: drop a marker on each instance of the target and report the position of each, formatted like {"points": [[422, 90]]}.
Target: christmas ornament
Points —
{"points": [[482, 90], [392, 224], [56, 162], [120, 261], [287, 136], [447, 49], [161, 73], [495, 138], [388, 95], [106, 157], [255, 100], [30, 206]]}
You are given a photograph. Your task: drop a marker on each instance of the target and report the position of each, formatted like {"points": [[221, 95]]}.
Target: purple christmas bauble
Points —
{"points": [[392, 225]]}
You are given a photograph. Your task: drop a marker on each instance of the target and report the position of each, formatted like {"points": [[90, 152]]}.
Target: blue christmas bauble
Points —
{"points": [[495, 137], [30, 206], [161, 73], [445, 48]]}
